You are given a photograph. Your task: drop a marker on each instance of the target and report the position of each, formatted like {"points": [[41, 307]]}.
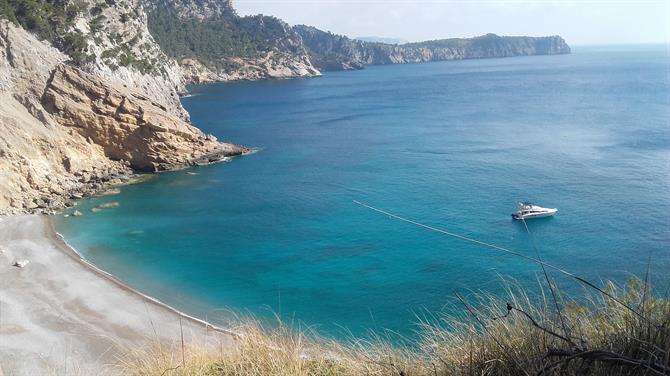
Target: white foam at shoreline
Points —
{"points": [[80, 258]]}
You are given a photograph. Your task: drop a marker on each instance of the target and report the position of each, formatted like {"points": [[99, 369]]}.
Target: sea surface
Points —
{"points": [[454, 145]]}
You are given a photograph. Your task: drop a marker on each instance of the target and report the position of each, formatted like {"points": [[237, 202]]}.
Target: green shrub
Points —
{"points": [[7, 11], [96, 23], [50, 20], [214, 41]]}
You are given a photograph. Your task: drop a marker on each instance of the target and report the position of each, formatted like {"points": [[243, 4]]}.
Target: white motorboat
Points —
{"points": [[530, 211]]}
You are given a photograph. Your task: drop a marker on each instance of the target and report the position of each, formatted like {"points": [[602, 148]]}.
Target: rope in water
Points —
{"points": [[505, 250], [566, 331]]}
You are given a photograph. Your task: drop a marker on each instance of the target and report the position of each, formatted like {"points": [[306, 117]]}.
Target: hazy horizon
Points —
{"points": [[580, 23]]}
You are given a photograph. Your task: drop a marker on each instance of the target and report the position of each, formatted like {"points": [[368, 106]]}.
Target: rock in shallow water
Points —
{"points": [[109, 205]]}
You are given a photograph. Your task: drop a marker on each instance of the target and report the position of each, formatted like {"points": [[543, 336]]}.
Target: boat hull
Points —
{"points": [[548, 213]]}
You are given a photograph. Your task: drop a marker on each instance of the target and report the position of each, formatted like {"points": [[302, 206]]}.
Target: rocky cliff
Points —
{"points": [[212, 43], [121, 50], [127, 125], [334, 52], [68, 132]]}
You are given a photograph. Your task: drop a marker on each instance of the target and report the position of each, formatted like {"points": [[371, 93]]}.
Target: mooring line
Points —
{"points": [[546, 277], [505, 250]]}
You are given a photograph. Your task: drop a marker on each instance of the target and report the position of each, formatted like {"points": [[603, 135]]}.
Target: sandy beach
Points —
{"points": [[59, 315]]}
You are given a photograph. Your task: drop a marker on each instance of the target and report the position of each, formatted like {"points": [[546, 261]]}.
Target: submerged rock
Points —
{"points": [[109, 205], [110, 192]]}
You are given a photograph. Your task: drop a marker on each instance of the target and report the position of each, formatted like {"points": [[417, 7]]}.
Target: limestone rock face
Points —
{"points": [[129, 126], [197, 9], [123, 52], [41, 164], [274, 65]]}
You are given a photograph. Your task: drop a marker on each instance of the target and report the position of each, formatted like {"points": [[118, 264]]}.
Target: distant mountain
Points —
{"points": [[382, 40], [330, 51]]}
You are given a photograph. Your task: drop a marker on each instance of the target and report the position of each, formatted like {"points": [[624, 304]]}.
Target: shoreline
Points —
{"points": [[60, 312], [58, 239]]}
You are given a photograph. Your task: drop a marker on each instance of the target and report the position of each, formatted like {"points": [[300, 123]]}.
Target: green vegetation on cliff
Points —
{"points": [[214, 41], [50, 20], [494, 44], [331, 51]]}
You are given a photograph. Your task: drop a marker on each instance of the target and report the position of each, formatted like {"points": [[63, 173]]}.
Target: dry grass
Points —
{"points": [[517, 335]]}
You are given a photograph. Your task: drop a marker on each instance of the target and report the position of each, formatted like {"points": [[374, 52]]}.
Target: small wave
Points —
{"points": [[339, 119]]}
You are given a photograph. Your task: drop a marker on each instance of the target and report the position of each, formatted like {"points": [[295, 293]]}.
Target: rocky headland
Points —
{"points": [[69, 132], [337, 52]]}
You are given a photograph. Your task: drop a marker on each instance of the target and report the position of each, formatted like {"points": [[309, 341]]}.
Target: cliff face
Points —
{"points": [[227, 47], [126, 54], [129, 126], [335, 52], [41, 163], [66, 133], [119, 48], [196, 9]]}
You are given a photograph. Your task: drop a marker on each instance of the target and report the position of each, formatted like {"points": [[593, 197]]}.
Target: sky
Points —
{"points": [[579, 22]]}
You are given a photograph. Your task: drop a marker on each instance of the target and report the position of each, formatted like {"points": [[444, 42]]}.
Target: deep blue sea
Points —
{"points": [[452, 144]]}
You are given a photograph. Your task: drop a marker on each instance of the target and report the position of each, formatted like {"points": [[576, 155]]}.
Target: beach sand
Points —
{"points": [[59, 315]]}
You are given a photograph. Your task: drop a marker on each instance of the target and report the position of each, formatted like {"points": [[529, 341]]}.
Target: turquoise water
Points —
{"points": [[454, 145]]}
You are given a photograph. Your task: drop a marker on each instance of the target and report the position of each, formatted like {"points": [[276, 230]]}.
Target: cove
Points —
{"points": [[451, 144]]}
